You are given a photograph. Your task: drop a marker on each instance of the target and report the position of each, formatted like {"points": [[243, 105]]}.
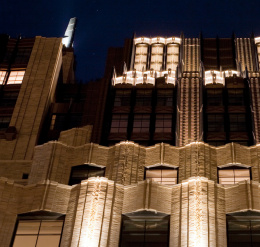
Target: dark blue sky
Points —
{"points": [[102, 24]]}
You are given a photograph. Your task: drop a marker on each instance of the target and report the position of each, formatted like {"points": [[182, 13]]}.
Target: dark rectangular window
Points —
{"points": [[236, 97], [237, 122], [9, 98], [145, 229], [143, 97], [165, 98], [243, 229], [215, 122], [119, 123], [141, 123], [122, 98], [214, 97], [163, 123]]}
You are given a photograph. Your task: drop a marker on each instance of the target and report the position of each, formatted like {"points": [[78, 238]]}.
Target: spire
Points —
{"points": [[69, 34]]}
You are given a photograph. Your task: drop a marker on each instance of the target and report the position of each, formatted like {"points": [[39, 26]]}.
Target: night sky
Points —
{"points": [[102, 24]]}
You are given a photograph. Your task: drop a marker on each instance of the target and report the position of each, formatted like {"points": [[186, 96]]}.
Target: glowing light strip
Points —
{"points": [[138, 77], [230, 73], [257, 40], [209, 77], [161, 40]]}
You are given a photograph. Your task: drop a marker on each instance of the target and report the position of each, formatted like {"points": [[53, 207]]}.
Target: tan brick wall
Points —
{"points": [[35, 95]]}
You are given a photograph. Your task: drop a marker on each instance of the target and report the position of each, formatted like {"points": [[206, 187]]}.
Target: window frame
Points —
{"points": [[141, 119], [242, 217], [88, 166], [38, 216], [234, 167], [162, 167], [144, 215], [163, 118]]}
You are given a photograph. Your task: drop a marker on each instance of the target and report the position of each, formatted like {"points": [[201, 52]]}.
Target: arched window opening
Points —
{"points": [[243, 229], [83, 172], [145, 229]]}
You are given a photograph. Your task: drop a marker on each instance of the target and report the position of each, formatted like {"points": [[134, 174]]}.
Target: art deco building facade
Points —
{"points": [[166, 150]]}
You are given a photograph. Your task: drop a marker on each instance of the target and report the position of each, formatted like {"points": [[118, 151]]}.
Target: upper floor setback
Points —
{"points": [[171, 58]]}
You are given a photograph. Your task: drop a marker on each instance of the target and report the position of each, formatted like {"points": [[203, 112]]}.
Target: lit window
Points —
{"points": [[119, 123], [233, 175], [83, 172], [2, 76], [145, 228], [243, 229], [15, 77], [162, 174], [163, 123], [141, 123], [36, 232]]}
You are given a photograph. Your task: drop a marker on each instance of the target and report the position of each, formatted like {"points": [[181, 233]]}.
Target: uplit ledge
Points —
{"points": [[231, 73], [161, 40], [147, 77], [254, 74], [214, 77], [133, 80], [257, 40]]}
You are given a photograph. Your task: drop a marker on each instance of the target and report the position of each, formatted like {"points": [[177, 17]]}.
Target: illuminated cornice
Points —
{"points": [[147, 77], [257, 40], [161, 40]]}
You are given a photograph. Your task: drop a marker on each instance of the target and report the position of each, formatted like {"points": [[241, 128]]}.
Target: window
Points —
{"points": [[122, 98], [233, 175], [4, 122], [141, 123], [236, 97], [2, 76], [162, 174], [215, 123], [119, 123], [237, 122], [15, 77], [214, 97], [145, 229], [243, 229], [83, 172], [164, 98], [143, 97], [163, 123], [23, 56], [9, 98], [38, 231]]}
